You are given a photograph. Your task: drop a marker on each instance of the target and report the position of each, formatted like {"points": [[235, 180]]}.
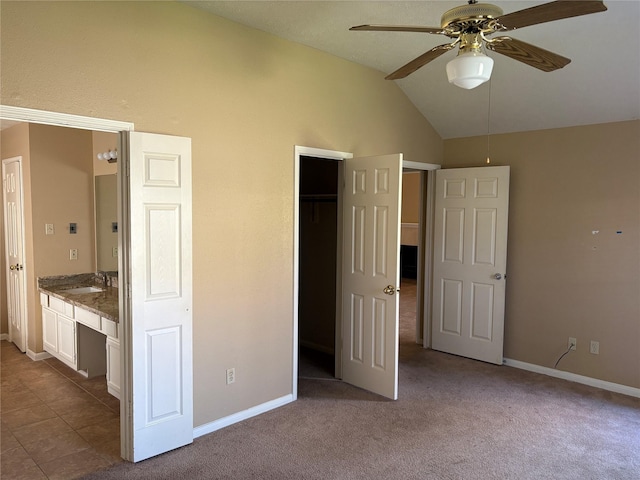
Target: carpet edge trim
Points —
{"points": [[240, 416], [573, 377]]}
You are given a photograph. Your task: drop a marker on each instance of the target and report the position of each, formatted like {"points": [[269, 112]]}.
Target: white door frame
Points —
{"points": [[29, 115], [332, 155], [24, 324], [423, 319]]}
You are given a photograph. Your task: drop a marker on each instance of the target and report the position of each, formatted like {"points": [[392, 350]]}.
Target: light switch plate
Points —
{"points": [[48, 229]]}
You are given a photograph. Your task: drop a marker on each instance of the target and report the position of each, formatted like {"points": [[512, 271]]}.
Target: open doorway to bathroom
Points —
{"points": [[67, 197]]}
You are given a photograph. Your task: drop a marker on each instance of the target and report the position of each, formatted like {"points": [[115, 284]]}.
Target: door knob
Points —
{"points": [[498, 276], [390, 289], [17, 266], [12, 267]]}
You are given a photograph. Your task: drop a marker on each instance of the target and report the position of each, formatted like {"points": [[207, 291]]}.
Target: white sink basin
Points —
{"points": [[80, 290]]}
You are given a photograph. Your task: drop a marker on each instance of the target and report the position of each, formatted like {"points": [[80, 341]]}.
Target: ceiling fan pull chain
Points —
{"points": [[489, 124]]}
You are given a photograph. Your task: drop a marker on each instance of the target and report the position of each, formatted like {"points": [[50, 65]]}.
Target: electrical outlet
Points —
{"points": [[572, 344], [114, 252], [231, 375], [73, 254], [594, 347], [48, 229]]}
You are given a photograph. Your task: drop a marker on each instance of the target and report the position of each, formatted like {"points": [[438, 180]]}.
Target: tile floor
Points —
{"points": [[55, 424]]}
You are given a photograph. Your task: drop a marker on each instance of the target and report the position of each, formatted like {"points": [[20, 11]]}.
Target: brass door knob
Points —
{"points": [[390, 290]]}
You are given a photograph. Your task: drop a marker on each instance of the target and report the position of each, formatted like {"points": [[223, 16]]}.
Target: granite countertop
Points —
{"points": [[105, 303]]}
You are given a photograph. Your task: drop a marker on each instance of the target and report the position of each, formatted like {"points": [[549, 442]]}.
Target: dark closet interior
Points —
{"points": [[318, 249]]}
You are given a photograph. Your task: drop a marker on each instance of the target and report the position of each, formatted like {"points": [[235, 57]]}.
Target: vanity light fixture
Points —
{"points": [[111, 156]]}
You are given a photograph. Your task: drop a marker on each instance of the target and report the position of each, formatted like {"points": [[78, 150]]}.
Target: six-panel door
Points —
{"points": [[469, 265]]}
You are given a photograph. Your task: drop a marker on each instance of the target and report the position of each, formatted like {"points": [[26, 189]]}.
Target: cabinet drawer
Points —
{"points": [[88, 318], [109, 328], [61, 306]]}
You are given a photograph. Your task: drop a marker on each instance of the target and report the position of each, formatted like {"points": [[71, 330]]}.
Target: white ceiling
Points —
{"points": [[600, 85]]}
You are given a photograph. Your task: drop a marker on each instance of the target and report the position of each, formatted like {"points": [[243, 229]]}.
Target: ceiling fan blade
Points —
{"points": [[421, 61], [397, 28], [526, 53], [549, 12]]}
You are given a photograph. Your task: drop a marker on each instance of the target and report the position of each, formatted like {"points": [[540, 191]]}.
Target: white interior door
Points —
{"points": [[14, 250], [159, 264], [470, 259], [371, 265]]}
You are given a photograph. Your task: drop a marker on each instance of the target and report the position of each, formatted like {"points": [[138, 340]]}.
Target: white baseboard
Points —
{"points": [[4, 336], [37, 356], [573, 377], [240, 416]]}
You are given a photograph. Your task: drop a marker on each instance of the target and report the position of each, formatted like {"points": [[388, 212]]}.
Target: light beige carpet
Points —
{"points": [[455, 419]]}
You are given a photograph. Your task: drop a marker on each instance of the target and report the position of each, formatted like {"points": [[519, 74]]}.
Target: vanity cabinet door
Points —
{"points": [[67, 340], [113, 367], [50, 331]]}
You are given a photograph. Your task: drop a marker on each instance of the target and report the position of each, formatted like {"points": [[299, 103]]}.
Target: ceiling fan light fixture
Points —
{"points": [[469, 69]]}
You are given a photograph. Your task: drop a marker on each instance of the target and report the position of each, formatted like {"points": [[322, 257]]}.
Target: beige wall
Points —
{"points": [[410, 197], [563, 280], [61, 193], [57, 189], [245, 98]]}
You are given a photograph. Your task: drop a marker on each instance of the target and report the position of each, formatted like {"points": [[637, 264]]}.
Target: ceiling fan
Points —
{"points": [[470, 25]]}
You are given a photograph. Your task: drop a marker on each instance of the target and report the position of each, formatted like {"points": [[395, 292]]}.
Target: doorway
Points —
{"points": [[409, 246], [170, 424], [318, 269], [318, 261], [64, 158], [315, 198]]}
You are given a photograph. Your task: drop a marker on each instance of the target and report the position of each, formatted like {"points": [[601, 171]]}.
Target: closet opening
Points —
{"points": [[318, 266]]}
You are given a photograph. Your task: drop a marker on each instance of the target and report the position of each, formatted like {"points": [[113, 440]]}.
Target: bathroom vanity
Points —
{"points": [[80, 324]]}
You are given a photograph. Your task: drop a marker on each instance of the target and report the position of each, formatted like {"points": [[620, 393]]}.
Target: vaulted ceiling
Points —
{"points": [[600, 85]]}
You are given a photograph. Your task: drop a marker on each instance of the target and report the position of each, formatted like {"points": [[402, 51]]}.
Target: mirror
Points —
{"points": [[106, 223]]}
